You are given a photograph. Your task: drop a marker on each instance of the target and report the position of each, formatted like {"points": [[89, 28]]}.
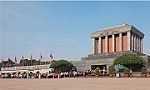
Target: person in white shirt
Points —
{"points": [[39, 75]]}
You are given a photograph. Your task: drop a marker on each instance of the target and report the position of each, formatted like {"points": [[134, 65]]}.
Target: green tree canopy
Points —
{"points": [[74, 68], [97, 72], [29, 62], [61, 65], [111, 69], [130, 60]]}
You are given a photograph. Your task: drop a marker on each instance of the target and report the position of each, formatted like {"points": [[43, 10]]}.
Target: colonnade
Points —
{"points": [[117, 42]]}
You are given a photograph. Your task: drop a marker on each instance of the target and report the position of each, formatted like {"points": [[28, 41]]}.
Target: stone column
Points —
{"points": [[93, 45], [106, 44], [141, 46], [96, 45], [113, 43], [128, 40], [100, 46], [132, 42], [138, 44], [120, 41]]}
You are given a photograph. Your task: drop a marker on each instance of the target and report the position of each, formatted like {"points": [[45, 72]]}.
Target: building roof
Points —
{"points": [[121, 28]]}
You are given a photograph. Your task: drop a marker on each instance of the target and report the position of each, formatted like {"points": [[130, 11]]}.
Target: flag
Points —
{"points": [[51, 56], [15, 59], [9, 60], [40, 56], [31, 57], [2, 61], [22, 57], [49, 62]]}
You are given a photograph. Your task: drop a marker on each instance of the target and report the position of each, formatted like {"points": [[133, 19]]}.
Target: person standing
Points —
{"points": [[84, 74], [39, 75], [74, 74], [131, 72], [27, 75]]}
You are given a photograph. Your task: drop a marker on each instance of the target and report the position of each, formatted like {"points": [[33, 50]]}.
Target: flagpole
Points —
{"points": [[40, 61], [31, 62], [51, 56], [8, 62], [22, 64], [2, 63], [23, 60], [15, 61], [40, 58], [31, 59]]}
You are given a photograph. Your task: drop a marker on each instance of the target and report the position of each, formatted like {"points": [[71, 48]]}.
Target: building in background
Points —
{"points": [[111, 42]]}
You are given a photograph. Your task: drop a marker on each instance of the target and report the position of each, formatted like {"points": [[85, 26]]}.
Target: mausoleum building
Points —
{"points": [[109, 43]]}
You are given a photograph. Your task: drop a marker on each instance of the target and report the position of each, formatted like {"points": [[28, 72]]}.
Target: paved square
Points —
{"points": [[76, 84]]}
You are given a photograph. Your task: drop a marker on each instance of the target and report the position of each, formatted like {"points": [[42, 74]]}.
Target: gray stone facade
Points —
{"points": [[133, 44], [104, 59]]}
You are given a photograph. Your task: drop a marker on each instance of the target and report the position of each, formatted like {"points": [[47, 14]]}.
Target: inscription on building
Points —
{"points": [[108, 32]]}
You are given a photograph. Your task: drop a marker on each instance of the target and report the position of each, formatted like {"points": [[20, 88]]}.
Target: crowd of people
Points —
{"points": [[28, 75], [38, 74]]}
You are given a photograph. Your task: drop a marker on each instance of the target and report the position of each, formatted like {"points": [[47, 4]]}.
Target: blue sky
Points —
{"points": [[64, 27]]}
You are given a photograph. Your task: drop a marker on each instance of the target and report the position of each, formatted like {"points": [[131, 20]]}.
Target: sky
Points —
{"points": [[64, 28]]}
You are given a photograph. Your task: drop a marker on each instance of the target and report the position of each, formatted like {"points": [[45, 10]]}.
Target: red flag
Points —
{"points": [[15, 59], [51, 56], [9, 60], [31, 57], [22, 57], [49, 62], [2, 61], [40, 56]]}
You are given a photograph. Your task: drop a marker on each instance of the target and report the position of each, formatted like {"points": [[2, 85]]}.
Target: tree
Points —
{"points": [[144, 70], [27, 62], [97, 72], [74, 68], [111, 69], [130, 60], [61, 66], [126, 71]]}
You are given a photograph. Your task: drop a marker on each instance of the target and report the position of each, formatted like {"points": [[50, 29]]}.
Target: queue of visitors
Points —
{"points": [[38, 74]]}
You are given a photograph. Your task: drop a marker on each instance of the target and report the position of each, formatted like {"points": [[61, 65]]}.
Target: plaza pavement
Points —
{"points": [[76, 84]]}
